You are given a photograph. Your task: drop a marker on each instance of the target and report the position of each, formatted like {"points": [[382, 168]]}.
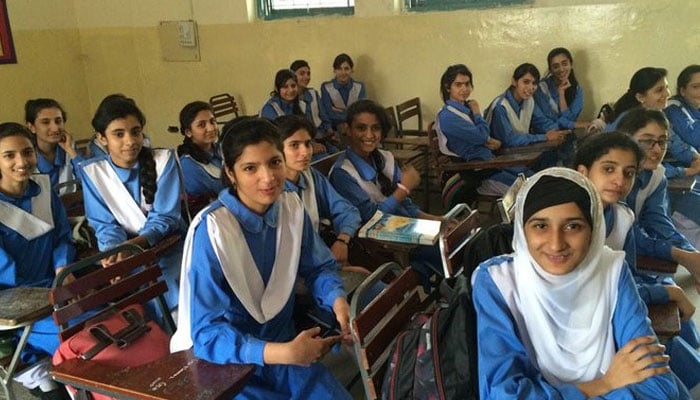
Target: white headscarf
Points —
{"points": [[565, 321]]}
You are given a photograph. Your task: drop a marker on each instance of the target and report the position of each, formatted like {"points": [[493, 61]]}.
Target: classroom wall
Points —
{"points": [[398, 54]]}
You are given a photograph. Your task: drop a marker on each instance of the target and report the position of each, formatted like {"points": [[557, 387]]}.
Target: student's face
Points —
{"points": [[298, 151], [649, 139], [656, 97], [365, 133], [612, 174], [17, 159], [691, 91], [560, 67], [344, 73], [123, 140], [558, 238], [48, 126], [461, 88], [258, 175], [203, 130], [303, 77], [288, 92], [524, 87]]}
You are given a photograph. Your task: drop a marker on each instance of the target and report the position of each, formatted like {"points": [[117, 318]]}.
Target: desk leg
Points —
{"points": [[10, 371]]}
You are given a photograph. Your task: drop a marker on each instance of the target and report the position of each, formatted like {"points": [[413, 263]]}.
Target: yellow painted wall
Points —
{"points": [[399, 55]]}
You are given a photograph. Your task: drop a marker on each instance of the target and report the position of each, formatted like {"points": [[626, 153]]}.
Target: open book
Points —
{"points": [[394, 228]]}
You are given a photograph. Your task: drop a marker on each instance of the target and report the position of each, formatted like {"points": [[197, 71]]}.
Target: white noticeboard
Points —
{"points": [[179, 40]]}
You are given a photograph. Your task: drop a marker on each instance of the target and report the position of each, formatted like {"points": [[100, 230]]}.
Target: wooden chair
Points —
{"points": [[656, 266], [453, 241], [225, 108], [92, 297], [407, 110], [325, 164]]}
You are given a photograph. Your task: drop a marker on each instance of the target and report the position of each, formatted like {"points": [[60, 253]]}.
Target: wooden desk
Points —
{"points": [[501, 161], [21, 307], [656, 265], [681, 184], [535, 147], [418, 141], [171, 378], [665, 319]]}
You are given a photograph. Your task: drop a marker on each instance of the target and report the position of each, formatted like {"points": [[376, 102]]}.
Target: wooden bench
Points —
{"points": [[665, 320], [656, 266]]}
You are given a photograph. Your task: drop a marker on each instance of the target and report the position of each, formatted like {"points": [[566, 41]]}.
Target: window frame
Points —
{"points": [[448, 5], [267, 13]]}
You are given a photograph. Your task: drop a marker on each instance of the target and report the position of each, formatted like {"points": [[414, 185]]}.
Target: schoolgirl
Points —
{"points": [[132, 194], [514, 117], [648, 88], [284, 100], [462, 132], [341, 92], [560, 317], [56, 156], [236, 298], [200, 155], [35, 242], [95, 148], [312, 98]]}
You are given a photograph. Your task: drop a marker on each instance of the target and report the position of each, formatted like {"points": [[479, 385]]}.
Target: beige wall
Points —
{"points": [[114, 47]]}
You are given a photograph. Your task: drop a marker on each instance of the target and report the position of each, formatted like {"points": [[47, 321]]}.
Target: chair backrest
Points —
{"points": [[325, 164], [72, 199], [97, 294], [375, 327], [83, 146], [391, 113], [436, 157], [409, 109], [453, 241], [225, 107], [506, 204]]}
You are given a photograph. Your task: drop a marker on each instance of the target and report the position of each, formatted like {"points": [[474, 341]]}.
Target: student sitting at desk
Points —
{"points": [[462, 132], [516, 120], [35, 242], [132, 194], [314, 112], [611, 161], [199, 153], [370, 178], [341, 92], [95, 148], [560, 317], [56, 156], [236, 298]]}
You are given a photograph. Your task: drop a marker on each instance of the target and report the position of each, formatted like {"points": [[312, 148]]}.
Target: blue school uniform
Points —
{"points": [[507, 370], [337, 97], [161, 220], [61, 169], [275, 107], [503, 130], [202, 179], [685, 120], [314, 112], [224, 331], [463, 134], [547, 99], [330, 204], [33, 262]]}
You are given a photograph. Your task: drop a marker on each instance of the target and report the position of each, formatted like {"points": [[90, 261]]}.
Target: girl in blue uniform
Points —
{"points": [[648, 88], [314, 112], [683, 112], [370, 178], [236, 297], [462, 132], [132, 194], [95, 148], [56, 156], [611, 161], [199, 153], [649, 195], [553, 324], [341, 92], [35, 242]]}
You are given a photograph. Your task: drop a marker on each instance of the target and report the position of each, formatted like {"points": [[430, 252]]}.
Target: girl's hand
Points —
{"points": [[340, 252], [493, 144], [67, 144], [308, 347], [633, 363], [474, 106], [318, 147], [410, 177], [342, 315], [563, 85], [556, 136], [685, 305]]}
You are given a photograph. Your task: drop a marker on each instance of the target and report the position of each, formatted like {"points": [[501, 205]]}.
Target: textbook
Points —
{"points": [[394, 228]]}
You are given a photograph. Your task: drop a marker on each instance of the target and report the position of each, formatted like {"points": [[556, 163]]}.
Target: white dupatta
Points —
{"points": [[370, 187], [39, 221]]}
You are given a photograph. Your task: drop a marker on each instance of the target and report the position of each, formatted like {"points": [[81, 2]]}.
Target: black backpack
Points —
{"points": [[435, 357]]}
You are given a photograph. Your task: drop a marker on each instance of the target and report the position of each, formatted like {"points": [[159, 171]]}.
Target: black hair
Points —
{"points": [[241, 133], [449, 76], [117, 107], [34, 106], [370, 107], [187, 115], [640, 117], [570, 92], [596, 146], [342, 58], [289, 124], [299, 64], [9, 129], [642, 80], [685, 76], [524, 69], [281, 78]]}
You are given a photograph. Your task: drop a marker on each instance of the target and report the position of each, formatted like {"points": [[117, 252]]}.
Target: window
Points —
{"points": [[438, 5], [273, 9]]}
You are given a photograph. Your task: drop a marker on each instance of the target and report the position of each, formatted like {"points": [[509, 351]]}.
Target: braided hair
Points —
{"points": [[116, 108]]}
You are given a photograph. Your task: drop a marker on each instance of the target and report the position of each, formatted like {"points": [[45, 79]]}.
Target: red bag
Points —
{"points": [[124, 339]]}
